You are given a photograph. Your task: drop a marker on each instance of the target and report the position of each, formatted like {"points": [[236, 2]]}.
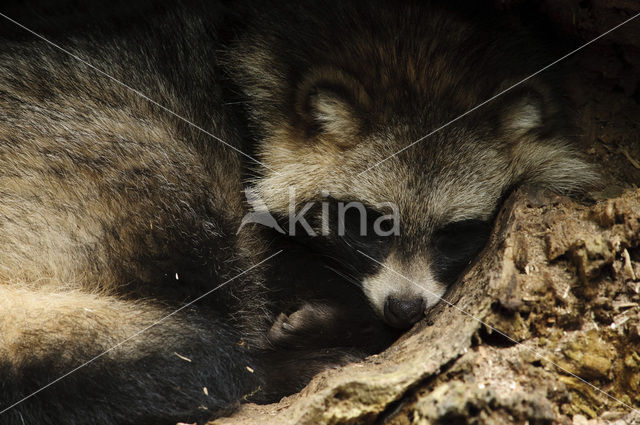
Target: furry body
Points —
{"points": [[114, 213]]}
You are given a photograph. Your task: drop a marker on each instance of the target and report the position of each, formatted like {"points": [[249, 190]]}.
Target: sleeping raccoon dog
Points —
{"points": [[114, 213]]}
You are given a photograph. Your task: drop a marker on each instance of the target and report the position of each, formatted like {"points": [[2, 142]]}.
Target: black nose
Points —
{"points": [[403, 312]]}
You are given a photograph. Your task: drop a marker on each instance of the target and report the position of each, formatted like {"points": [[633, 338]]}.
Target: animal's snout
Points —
{"points": [[402, 312]]}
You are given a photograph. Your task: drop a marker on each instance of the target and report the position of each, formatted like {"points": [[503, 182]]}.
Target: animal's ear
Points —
{"points": [[523, 117], [332, 103], [541, 152], [525, 110]]}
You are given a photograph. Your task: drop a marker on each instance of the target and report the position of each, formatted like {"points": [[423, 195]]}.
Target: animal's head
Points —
{"points": [[343, 117]]}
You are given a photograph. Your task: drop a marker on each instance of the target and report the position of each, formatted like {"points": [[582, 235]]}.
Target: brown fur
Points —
{"points": [[370, 80], [115, 213]]}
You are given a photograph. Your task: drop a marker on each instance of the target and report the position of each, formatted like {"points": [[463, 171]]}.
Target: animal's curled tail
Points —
{"points": [[175, 369]]}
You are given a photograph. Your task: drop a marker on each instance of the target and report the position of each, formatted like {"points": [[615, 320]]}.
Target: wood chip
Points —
{"points": [[186, 359], [627, 265]]}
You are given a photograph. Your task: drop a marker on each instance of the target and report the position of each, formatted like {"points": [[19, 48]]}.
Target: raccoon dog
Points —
{"points": [[114, 213]]}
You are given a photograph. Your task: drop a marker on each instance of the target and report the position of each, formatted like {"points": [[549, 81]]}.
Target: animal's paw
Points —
{"points": [[302, 327]]}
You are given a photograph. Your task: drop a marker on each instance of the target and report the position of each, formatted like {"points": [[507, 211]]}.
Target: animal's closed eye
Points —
{"points": [[456, 244], [461, 237], [360, 227]]}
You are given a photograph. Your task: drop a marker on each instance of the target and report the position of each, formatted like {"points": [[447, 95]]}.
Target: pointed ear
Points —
{"points": [[332, 103]]}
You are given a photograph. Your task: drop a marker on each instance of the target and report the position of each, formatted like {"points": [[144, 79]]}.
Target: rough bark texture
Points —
{"points": [[559, 280]]}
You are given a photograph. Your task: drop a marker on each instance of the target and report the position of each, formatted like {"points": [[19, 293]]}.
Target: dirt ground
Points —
{"points": [[560, 281]]}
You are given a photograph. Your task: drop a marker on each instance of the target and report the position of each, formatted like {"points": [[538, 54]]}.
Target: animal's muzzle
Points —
{"points": [[401, 312]]}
